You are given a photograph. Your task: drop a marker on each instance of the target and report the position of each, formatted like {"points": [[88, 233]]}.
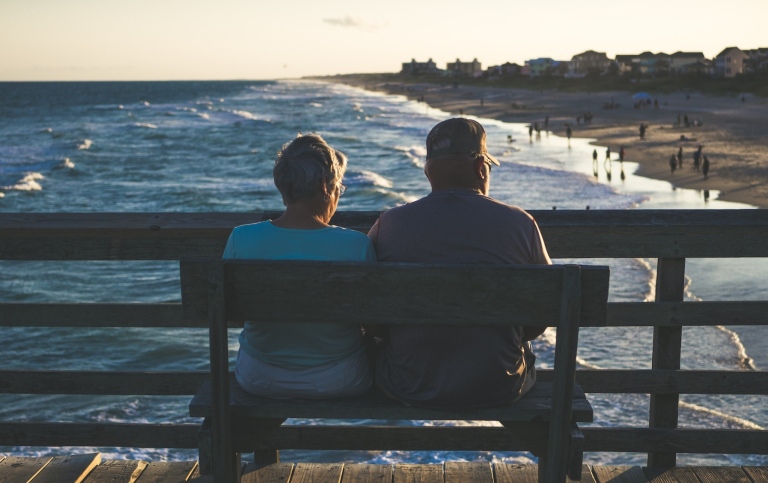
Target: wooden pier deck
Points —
{"points": [[91, 468]]}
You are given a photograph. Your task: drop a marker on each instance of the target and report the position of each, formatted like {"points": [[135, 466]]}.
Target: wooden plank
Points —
{"points": [[99, 434], [667, 344], [317, 473], [116, 471], [535, 406], [409, 473], [157, 383], [719, 474], [463, 472], [626, 440], [15, 468], [619, 474], [513, 473], [671, 475], [274, 473], [366, 473], [94, 315], [72, 468], [678, 314], [569, 233], [168, 472], [758, 474], [646, 381], [394, 292]]}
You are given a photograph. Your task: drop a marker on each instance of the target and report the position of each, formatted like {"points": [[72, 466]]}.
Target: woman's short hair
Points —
{"points": [[304, 164]]}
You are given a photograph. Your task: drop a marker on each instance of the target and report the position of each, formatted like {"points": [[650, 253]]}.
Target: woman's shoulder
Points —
{"points": [[346, 234]]}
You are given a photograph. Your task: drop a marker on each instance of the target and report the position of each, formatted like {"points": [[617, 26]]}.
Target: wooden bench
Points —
{"points": [[544, 422]]}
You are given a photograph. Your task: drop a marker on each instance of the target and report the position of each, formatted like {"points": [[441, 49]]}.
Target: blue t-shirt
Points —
{"points": [[301, 344]]}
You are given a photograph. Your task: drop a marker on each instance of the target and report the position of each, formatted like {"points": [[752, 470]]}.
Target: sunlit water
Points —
{"points": [[210, 146]]}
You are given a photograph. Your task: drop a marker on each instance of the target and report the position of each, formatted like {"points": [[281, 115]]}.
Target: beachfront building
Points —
{"points": [[687, 63], [419, 68], [589, 62], [645, 64], [730, 62], [627, 64], [757, 63], [507, 69], [465, 69], [544, 66]]}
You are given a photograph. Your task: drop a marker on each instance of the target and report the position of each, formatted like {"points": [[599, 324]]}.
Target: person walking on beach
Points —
{"points": [[621, 155], [697, 159], [530, 132], [458, 367], [642, 131], [568, 132], [594, 162], [705, 167], [673, 163], [680, 156], [608, 153]]}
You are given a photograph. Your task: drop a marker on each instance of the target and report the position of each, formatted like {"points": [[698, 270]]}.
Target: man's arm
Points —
{"points": [[540, 257]]}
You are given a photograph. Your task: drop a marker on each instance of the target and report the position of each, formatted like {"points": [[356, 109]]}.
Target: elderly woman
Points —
{"points": [[303, 360]]}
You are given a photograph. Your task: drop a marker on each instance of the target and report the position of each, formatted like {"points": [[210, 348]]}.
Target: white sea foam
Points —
{"points": [[28, 183], [2, 195], [745, 423], [144, 125], [85, 144], [369, 178], [145, 103], [203, 115], [187, 109], [416, 154], [357, 107], [121, 107], [745, 362], [315, 104], [47, 130], [67, 163]]}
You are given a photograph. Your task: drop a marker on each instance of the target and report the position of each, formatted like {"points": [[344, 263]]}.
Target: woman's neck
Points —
{"points": [[300, 216]]}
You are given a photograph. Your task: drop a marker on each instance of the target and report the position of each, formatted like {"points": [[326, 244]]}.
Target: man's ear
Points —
{"points": [[479, 168]]}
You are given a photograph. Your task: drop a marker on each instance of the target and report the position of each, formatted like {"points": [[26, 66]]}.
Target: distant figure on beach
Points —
{"points": [[680, 156], [568, 132], [705, 167], [481, 102], [697, 159], [621, 155], [673, 163], [546, 123], [623, 176], [458, 367], [530, 132], [608, 153], [642, 130], [287, 360], [594, 162]]}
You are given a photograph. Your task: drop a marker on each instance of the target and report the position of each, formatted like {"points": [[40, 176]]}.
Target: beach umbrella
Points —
{"points": [[641, 95]]}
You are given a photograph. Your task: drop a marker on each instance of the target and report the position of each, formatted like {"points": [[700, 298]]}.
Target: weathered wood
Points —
{"points": [[409, 473], [116, 471], [462, 472], [511, 473], [168, 472], [366, 473], [729, 441], [99, 434], [667, 344], [435, 294], [717, 474], [274, 473], [166, 383], [14, 468], [317, 473], [671, 475], [559, 441], [569, 233], [535, 405], [72, 468], [94, 315], [758, 474], [619, 474], [678, 314]]}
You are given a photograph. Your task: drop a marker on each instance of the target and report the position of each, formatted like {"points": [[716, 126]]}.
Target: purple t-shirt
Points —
{"points": [[456, 367]]}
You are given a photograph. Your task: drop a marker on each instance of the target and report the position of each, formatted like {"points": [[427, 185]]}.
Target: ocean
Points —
{"points": [[210, 147]]}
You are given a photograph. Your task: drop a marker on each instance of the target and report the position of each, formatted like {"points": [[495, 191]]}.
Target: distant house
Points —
{"points": [[757, 61], [627, 64], [419, 68], [686, 62], [730, 62], [507, 69], [589, 62], [465, 69], [540, 66]]}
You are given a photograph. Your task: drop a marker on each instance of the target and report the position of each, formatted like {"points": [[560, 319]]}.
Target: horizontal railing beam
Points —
{"points": [[155, 383], [568, 233], [99, 434]]}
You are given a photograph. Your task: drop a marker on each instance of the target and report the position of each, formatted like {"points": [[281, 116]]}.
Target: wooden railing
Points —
{"points": [[670, 236]]}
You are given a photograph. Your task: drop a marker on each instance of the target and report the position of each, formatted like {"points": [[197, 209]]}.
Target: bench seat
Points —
{"points": [[536, 406]]}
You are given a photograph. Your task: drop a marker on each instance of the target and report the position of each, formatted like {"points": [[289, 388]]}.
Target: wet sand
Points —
{"points": [[734, 134]]}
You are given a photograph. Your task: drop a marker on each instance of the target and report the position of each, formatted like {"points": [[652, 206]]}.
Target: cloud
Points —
{"points": [[350, 21]]}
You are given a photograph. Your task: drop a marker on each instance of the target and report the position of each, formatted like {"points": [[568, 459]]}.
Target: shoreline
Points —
{"points": [[734, 134]]}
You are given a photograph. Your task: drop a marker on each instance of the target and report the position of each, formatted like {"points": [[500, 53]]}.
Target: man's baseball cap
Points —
{"points": [[458, 136]]}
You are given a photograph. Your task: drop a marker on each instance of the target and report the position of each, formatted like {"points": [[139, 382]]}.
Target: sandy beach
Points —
{"points": [[733, 133]]}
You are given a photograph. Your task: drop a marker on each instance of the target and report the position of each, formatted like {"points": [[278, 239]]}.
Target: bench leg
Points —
{"points": [[204, 448], [265, 457], [575, 453], [543, 466]]}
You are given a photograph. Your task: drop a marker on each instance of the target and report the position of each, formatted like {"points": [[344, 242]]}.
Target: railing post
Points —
{"points": [[667, 342]]}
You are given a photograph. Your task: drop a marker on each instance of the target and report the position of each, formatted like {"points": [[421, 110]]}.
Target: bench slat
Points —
{"points": [[534, 406], [433, 294]]}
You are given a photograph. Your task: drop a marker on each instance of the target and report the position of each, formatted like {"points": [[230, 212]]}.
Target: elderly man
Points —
{"points": [[458, 367]]}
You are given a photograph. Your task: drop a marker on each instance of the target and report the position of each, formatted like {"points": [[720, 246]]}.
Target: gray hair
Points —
{"points": [[304, 164]]}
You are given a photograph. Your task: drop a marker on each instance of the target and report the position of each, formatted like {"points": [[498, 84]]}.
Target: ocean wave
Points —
{"points": [[416, 154], [28, 183], [85, 144], [47, 130], [366, 178], [144, 125], [2, 195], [315, 104], [66, 163]]}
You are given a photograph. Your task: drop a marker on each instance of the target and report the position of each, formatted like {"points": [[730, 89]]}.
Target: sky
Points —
{"points": [[44, 40]]}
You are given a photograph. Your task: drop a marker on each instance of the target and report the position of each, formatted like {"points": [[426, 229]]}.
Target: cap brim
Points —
{"points": [[492, 159]]}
